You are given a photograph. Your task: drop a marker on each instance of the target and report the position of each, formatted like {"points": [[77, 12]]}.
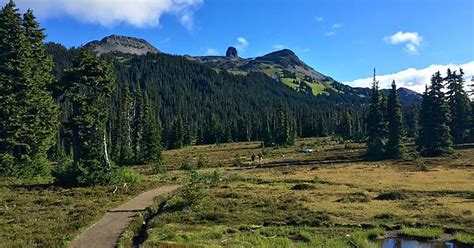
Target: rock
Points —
{"points": [[231, 53]]}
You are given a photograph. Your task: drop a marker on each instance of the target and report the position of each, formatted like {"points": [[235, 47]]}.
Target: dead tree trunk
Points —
{"points": [[106, 154]]}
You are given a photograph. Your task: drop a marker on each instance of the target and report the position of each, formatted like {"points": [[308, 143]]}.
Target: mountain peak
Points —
{"points": [[285, 57], [232, 53], [123, 44]]}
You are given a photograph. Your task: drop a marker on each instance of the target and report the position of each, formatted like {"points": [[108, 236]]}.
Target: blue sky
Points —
{"points": [[406, 39]]}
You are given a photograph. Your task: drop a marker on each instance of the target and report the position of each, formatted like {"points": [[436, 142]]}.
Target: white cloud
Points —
{"points": [[414, 79], [412, 40], [242, 44], [330, 33], [211, 52], [334, 27], [279, 47], [411, 49], [139, 13], [319, 18]]}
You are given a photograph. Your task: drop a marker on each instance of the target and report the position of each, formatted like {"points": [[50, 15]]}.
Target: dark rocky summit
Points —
{"points": [[122, 44], [231, 53]]}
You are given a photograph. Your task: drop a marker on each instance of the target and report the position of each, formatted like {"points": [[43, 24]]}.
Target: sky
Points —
{"points": [[405, 40]]}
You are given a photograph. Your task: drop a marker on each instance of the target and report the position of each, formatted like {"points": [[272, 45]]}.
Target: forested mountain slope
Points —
{"points": [[198, 104]]}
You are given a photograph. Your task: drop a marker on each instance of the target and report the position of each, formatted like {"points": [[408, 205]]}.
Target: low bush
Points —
{"points": [[391, 196]]}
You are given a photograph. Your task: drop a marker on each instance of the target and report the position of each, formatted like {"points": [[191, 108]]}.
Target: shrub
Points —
{"points": [[420, 165], [303, 186], [65, 174], [185, 165], [391, 196], [158, 167], [127, 175], [201, 162], [237, 161]]}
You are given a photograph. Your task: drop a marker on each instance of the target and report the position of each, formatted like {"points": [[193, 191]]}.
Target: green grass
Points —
{"points": [[375, 232], [259, 206], [423, 232], [256, 206], [466, 238], [238, 73], [360, 239], [289, 82], [39, 214], [317, 88], [246, 236]]}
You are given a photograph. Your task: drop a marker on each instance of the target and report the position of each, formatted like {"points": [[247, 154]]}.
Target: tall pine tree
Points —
{"points": [[434, 135], [88, 86], [459, 106], [138, 129], [375, 125], [151, 145], [28, 114], [284, 130], [123, 138], [346, 126], [394, 147]]}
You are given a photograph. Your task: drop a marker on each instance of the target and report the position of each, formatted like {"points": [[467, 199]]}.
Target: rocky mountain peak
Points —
{"points": [[123, 44], [231, 53]]}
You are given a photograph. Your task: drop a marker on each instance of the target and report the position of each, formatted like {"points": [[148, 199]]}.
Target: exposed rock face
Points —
{"points": [[123, 44], [231, 53]]}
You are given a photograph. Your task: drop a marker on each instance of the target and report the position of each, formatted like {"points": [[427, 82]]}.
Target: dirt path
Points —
{"points": [[106, 232]]}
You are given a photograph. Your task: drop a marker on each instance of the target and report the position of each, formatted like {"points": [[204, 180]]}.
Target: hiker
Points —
{"points": [[253, 157], [260, 157]]}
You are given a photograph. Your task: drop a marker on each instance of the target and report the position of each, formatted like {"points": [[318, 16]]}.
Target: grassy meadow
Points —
{"points": [[327, 198]]}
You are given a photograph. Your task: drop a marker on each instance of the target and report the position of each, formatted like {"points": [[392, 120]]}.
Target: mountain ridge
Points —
{"points": [[122, 44], [283, 65]]}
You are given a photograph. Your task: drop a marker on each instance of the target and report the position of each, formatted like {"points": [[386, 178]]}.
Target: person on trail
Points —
{"points": [[260, 157], [253, 157]]}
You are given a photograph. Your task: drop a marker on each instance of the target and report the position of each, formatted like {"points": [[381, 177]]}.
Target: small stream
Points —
{"points": [[408, 243]]}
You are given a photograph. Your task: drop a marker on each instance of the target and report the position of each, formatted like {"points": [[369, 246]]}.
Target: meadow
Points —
{"points": [[317, 193], [327, 197]]}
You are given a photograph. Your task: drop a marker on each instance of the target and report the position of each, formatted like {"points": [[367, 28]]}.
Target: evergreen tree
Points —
{"points": [[394, 147], [459, 106], [284, 130], [152, 136], [346, 126], [28, 114], [123, 137], [375, 125], [138, 127], [434, 134], [322, 130], [177, 134], [88, 86]]}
